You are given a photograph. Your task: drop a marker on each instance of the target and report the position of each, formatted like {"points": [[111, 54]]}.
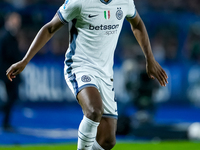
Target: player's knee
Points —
{"points": [[95, 114], [109, 144]]}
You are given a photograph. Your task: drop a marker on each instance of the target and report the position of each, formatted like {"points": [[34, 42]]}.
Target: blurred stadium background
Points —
{"points": [[46, 111]]}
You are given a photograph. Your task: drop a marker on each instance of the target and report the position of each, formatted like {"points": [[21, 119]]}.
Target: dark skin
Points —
{"points": [[89, 98], [154, 70], [92, 106]]}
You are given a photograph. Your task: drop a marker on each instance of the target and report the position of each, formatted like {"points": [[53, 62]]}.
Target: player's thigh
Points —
{"points": [[90, 100], [106, 132], [85, 88]]}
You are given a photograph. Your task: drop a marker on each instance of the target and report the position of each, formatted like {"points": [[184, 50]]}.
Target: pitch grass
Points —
{"points": [[173, 145]]}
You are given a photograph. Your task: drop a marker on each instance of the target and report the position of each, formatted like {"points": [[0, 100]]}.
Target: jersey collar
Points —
{"points": [[106, 2]]}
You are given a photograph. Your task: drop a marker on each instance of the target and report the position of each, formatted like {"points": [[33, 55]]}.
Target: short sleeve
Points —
{"points": [[69, 10], [131, 13]]}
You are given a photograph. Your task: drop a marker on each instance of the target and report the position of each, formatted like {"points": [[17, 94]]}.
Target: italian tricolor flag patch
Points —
{"points": [[107, 14]]}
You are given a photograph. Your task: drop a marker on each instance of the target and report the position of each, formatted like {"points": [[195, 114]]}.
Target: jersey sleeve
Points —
{"points": [[69, 10], [131, 13]]}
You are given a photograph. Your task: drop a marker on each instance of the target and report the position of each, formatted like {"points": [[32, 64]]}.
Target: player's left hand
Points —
{"points": [[154, 70], [15, 69]]}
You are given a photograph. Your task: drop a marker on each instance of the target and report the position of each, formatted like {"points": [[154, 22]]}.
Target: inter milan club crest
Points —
{"points": [[119, 14], [107, 14], [85, 78]]}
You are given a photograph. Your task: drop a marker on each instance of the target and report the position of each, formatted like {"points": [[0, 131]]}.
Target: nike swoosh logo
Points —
{"points": [[91, 16], [88, 145]]}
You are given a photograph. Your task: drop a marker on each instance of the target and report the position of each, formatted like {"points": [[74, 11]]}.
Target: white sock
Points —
{"points": [[96, 146], [87, 133]]}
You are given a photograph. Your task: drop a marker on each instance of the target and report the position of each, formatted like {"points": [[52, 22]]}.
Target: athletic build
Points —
{"points": [[96, 25]]}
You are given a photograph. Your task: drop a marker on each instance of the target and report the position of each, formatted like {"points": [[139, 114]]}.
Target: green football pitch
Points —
{"points": [[174, 145]]}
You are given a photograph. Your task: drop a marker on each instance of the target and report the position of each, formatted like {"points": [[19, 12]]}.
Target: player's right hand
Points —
{"points": [[15, 69], [154, 70]]}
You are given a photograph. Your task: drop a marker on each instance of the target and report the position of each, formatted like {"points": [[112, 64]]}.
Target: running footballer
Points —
{"points": [[88, 70]]}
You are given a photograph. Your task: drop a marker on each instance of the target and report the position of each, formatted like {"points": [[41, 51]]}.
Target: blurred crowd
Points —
{"points": [[171, 5], [167, 5], [173, 27], [26, 3], [172, 36]]}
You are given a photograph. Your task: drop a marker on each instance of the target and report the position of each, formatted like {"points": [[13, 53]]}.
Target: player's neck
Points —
{"points": [[106, 0]]}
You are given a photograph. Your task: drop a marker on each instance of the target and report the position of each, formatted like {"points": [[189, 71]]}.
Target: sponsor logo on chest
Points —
{"points": [[107, 15]]}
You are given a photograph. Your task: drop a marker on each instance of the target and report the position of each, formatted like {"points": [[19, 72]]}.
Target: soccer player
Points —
{"points": [[96, 25]]}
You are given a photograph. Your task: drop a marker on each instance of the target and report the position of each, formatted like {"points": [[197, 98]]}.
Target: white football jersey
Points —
{"points": [[94, 33]]}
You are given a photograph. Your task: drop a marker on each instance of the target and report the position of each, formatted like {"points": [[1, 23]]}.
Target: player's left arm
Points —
{"points": [[152, 66], [42, 37]]}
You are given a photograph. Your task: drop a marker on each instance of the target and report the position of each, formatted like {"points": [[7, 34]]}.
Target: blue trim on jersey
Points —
{"points": [[74, 83], [66, 3], [110, 116], [132, 16], [77, 89], [84, 86], [106, 2], [61, 17], [69, 55]]}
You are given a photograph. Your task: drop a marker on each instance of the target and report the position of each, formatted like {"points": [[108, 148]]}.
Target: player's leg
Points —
{"points": [[108, 124], [106, 134], [91, 103]]}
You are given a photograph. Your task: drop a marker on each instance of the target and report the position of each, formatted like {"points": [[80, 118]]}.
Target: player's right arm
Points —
{"points": [[153, 68], [42, 37]]}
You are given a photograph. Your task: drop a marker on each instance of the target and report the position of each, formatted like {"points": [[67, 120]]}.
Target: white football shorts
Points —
{"points": [[82, 79]]}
